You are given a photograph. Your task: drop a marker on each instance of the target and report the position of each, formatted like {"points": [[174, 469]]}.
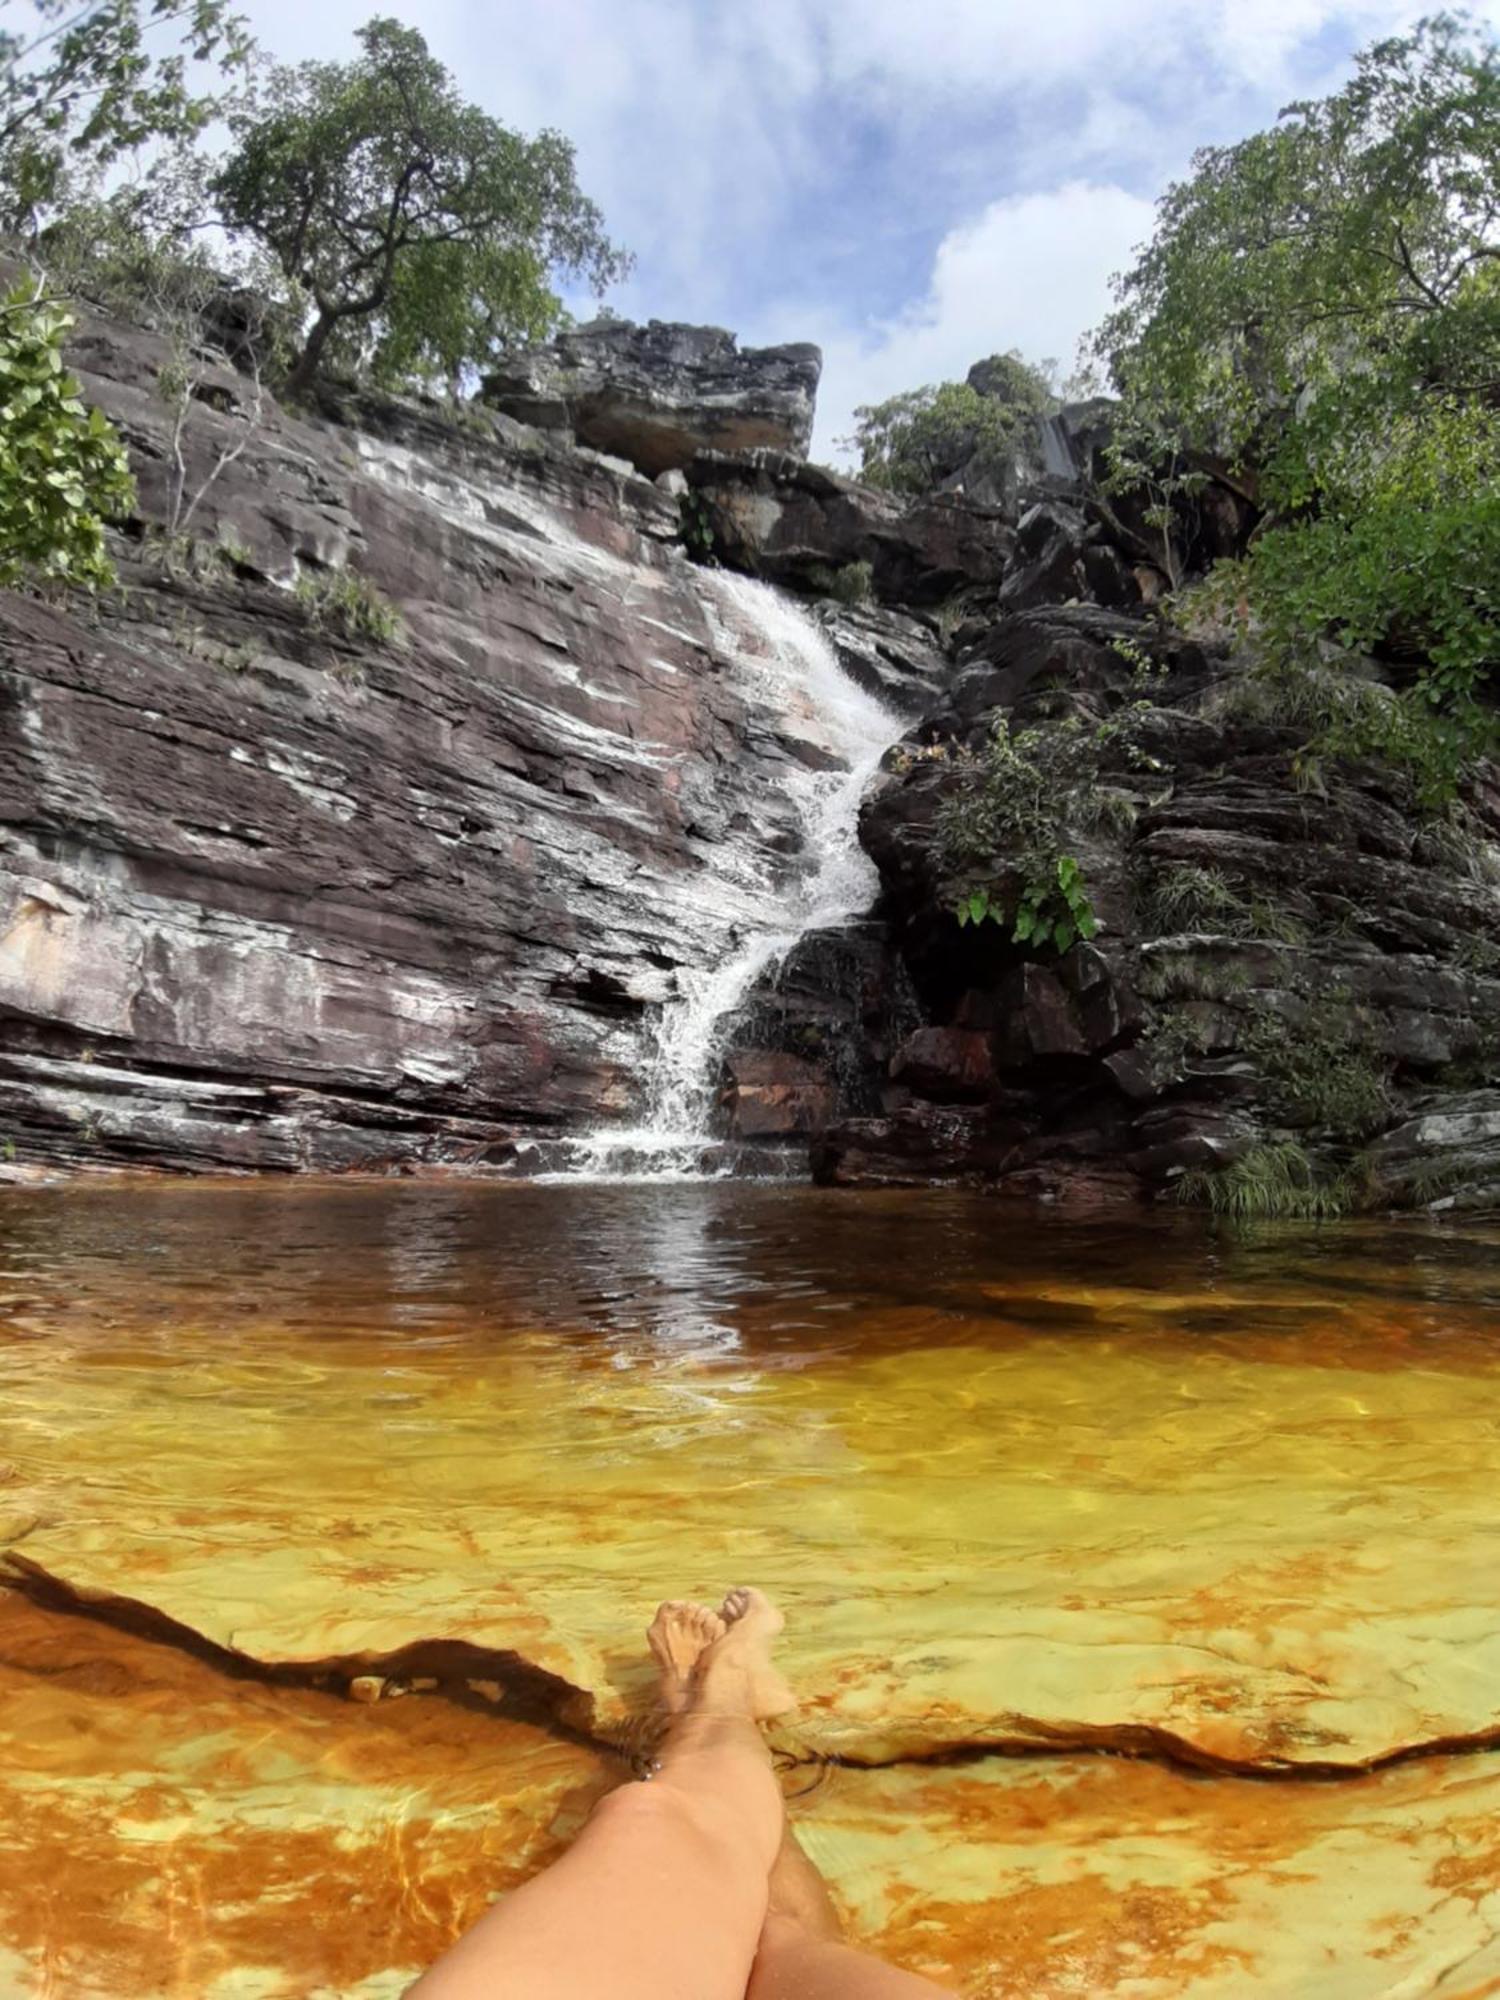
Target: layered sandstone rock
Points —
{"points": [[272, 894], [659, 393]]}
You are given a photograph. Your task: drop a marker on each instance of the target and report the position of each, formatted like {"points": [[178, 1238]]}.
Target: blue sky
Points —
{"points": [[911, 183]]}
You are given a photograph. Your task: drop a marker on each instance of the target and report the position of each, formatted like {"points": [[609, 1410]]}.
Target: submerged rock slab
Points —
{"points": [[1182, 1545], [175, 1834], [1074, 1877]]}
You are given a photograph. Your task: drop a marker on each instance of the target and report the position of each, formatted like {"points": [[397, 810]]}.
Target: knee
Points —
{"points": [[655, 1812]]}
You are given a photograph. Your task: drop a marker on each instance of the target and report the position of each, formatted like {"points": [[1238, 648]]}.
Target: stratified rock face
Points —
{"points": [[659, 393], [271, 896]]}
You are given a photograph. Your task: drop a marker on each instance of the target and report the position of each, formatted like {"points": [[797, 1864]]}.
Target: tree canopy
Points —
{"points": [[422, 231], [1321, 303], [915, 441], [86, 81]]}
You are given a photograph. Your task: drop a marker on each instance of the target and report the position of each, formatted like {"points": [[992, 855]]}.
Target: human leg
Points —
{"points": [[802, 1956], [663, 1894]]}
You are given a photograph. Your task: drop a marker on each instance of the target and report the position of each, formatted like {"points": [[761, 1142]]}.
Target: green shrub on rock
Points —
{"points": [[912, 442], [1009, 817], [63, 471], [344, 602], [851, 584]]}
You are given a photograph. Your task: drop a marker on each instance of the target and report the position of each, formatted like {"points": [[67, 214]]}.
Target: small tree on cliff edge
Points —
{"points": [[422, 231]]}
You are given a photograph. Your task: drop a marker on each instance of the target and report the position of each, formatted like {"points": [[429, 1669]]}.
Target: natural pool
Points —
{"points": [[1140, 1578]]}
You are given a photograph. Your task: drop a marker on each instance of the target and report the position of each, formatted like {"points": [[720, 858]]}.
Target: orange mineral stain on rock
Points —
{"points": [[167, 1828], [1082, 1876]]}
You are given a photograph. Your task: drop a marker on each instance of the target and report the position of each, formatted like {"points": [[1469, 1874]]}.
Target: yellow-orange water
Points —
{"points": [[1033, 1491]]}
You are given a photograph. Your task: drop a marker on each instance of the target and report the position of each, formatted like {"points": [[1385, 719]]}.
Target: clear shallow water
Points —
{"points": [[997, 1464]]}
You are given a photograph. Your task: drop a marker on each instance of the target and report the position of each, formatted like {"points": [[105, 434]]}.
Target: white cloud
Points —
{"points": [[1030, 272], [701, 125]]}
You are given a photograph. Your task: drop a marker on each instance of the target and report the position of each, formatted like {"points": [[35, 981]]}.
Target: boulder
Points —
{"points": [[944, 1063], [774, 1096], [657, 394], [1060, 557]]}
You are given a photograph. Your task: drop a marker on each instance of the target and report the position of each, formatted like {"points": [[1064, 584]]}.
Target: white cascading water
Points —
{"points": [[786, 667]]}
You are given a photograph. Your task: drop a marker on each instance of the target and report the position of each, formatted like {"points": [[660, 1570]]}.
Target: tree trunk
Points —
{"points": [[305, 368]]}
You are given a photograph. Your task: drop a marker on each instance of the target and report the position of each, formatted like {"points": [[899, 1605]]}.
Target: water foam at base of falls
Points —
{"points": [[787, 669]]}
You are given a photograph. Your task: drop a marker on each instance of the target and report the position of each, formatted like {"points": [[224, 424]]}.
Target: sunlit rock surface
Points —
{"points": [[1083, 1876], [1023, 1487]]}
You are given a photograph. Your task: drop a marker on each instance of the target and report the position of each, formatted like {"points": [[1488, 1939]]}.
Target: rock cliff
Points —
{"points": [[372, 822], [287, 883]]}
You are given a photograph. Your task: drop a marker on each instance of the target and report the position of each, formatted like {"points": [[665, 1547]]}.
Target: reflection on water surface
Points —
{"points": [[1027, 1486]]}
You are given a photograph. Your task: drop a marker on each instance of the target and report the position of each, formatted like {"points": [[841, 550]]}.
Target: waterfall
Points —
{"points": [[785, 668], [1059, 459]]}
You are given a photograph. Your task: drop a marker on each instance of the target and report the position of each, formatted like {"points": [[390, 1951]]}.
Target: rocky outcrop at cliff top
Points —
{"points": [[657, 394]]}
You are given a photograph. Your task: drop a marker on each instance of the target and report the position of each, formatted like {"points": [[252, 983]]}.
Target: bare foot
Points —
{"points": [[679, 1637], [736, 1676]]}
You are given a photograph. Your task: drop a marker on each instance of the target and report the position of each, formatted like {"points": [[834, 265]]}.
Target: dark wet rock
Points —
{"points": [[1061, 557], [895, 657], [792, 523], [657, 394], [1038, 1017], [943, 1063], [770, 1095], [840, 1002], [1270, 965], [917, 1144]]}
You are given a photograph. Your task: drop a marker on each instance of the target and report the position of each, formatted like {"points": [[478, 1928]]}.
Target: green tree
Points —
{"points": [[1320, 304], [82, 84], [422, 231], [61, 466], [913, 442]]}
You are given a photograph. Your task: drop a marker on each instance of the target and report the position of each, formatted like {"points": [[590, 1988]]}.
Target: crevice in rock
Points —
{"points": [[490, 1679], [1140, 1743], [504, 1683]]}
